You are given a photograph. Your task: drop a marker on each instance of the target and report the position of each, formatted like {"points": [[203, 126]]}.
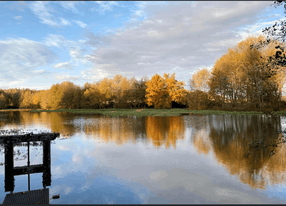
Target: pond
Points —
{"points": [[100, 159]]}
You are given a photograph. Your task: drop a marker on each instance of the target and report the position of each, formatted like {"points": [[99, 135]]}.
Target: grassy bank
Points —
{"points": [[153, 112]]}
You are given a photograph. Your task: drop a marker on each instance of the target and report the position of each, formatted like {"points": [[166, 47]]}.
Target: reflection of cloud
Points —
{"points": [[158, 175], [202, 186], [77, 159], [58, 189], [63, 147]]}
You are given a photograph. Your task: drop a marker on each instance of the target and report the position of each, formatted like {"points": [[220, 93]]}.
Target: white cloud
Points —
{"points": [[64, 21], [81, 24], [56, 40], [70, 5], [172, 32], [18, 17], [105, 6], [73, 47], [67, 77], [61, 42], [20, 58], [75, 53], [40, 9], [91, 74], [64, 65]]}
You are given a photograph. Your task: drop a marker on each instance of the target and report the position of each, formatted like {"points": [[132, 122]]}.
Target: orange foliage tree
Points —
{"points": [[160, 92]]}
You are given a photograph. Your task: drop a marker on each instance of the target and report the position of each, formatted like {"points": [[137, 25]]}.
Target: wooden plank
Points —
{"points": [[29, 137], [34, 197], [25, 169]]}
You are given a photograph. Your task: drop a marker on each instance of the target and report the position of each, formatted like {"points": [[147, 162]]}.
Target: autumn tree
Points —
{"points": [[35, 100], [121, 89], [199, 80], [244, 75], [105, 90], [162, 91], [26, 99], [3, 100], [55, 97], [175, 89], [197, 97], [138, 91], [91, 96], [16, 98], [276, 33], [44, 99], [197, 100], [13, 96], [71, 95]]}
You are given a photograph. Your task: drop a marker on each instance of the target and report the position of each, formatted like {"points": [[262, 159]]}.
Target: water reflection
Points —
{"points": [[248, 147], [165, 131], [40, 196]]}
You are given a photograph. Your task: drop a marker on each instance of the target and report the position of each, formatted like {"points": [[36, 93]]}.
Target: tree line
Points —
{"points": [[243, 78]]}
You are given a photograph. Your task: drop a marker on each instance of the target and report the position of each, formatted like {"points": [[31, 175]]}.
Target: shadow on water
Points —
{"points": [[40, 196]]}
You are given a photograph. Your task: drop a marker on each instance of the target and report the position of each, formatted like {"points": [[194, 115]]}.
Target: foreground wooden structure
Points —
{"points": [[29, 197]]}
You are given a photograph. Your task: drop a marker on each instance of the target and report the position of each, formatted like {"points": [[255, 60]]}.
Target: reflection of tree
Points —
{"points": [[160, 130], [57, 122], [165, 130], [110, 129], [201, 142], [200, 138], [246, 145], [9, 118]]}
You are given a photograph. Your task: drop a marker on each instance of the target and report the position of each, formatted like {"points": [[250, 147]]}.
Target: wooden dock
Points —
{"points": [[33, 197], [28, 137]]}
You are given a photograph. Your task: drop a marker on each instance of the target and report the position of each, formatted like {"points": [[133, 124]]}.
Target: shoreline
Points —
{"points": [[147, 112], [155, 112]]}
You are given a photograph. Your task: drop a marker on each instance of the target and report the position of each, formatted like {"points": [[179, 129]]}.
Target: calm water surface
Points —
{"points": [[177, 159]]}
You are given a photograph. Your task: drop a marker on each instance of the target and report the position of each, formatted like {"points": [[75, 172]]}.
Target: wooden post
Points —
{"points": [[28, 163], [47, 163], [9, 165]]}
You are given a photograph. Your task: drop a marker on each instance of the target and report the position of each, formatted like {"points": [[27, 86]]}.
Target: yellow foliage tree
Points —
{"points": [[3, 100], [91, 96], [244, 75], [175, 89], [26, 99], [199, 80], [160, 92], [157, 93], [55, 97], [105, 90]]}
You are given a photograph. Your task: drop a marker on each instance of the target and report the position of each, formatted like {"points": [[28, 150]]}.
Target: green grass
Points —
{"points": [[153, 112]]}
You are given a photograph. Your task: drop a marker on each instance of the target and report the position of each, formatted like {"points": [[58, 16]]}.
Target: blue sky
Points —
{"points": [[44, 43]]}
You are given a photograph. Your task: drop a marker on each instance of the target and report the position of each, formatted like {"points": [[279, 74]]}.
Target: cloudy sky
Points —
{"points": [[44, 43]]}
